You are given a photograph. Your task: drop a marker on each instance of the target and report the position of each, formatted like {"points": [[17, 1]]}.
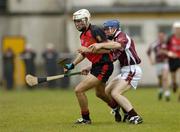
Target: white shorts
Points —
{"points": [[160, 67], [132, 74]]}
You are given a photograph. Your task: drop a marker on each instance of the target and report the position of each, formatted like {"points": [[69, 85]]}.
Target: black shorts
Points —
{"points": [[102, 71], [174, 64]]}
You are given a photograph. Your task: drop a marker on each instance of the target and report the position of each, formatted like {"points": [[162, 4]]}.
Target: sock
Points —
{"points": [[85, 115], [113, 104], [167, 93], [160, 90], [132, 113], [175, 87]]}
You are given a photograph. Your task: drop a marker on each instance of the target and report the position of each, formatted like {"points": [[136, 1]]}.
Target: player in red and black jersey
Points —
{"points": [[102, 65], [173, 53]]}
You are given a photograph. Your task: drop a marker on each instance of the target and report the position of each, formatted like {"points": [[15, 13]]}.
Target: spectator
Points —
{"points": [[8, 68], [50, 56], [29, 55]]}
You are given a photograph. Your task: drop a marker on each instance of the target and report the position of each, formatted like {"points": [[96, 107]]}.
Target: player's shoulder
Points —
{"points": [[98, 33], [95, 28], [121, 35]]}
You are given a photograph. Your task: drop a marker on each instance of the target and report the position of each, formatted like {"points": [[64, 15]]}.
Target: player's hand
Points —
{"points": [[94, 47], [172, 55], [68, 67]]}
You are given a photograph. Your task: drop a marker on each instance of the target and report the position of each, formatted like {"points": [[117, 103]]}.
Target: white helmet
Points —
{"points": [[80, 14], [176, 25]]}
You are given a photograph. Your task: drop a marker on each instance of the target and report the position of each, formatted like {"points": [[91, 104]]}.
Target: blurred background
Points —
{"points": [[35, 34]]}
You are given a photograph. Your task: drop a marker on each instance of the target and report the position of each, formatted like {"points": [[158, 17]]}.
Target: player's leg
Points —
{"points": [[99, 73], [173, 66], [117, 93], [120, 87], [100, 93], [122, 83], [89, 82], [165, 83], [160, 91], [174, 83], [179, 87], [108, 90], [160, 80], [159, 75]]}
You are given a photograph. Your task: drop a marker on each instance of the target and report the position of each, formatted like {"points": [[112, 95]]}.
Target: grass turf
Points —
{"points": [[56, 110]]}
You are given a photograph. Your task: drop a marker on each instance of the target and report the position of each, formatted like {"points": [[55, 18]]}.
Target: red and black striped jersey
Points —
{"points": [[92, 35], [173, 45]]}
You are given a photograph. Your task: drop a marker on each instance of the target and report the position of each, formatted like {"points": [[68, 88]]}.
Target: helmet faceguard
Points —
{"points": [[81, 19], [110, 28]]}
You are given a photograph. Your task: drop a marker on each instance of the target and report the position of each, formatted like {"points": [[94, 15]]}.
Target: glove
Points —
{"points": [[69, 66]]}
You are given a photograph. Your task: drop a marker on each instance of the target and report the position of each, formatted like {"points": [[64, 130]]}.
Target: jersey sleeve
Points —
{"points": [[123, 40], [98, 34], [151, 48], [149, 51]]}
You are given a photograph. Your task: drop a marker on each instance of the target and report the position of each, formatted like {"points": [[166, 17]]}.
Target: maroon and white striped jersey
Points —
{"points": [[157, 48], [127, 55]]}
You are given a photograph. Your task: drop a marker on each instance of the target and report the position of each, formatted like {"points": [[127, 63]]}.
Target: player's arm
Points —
{"points": [[76, 61], [100, 37], [120, 43], [105, 47], [109, 45], [151, 59], [91, 50], [149, 52], [101, 51], [164, 51]]}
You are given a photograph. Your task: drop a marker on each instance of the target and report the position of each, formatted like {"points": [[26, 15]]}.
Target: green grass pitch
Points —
{"points": [[56, 110]]}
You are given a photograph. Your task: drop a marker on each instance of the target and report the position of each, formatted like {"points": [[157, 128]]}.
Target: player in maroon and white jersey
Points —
{"points": [[123, 49], [160, 61], [102, 66], [173, 52]]}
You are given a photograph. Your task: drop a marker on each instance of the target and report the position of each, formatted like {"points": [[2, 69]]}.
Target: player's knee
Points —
{"points": [[165, 79], [78, 90], [99, 95], [107, 91], [114, 94]]}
